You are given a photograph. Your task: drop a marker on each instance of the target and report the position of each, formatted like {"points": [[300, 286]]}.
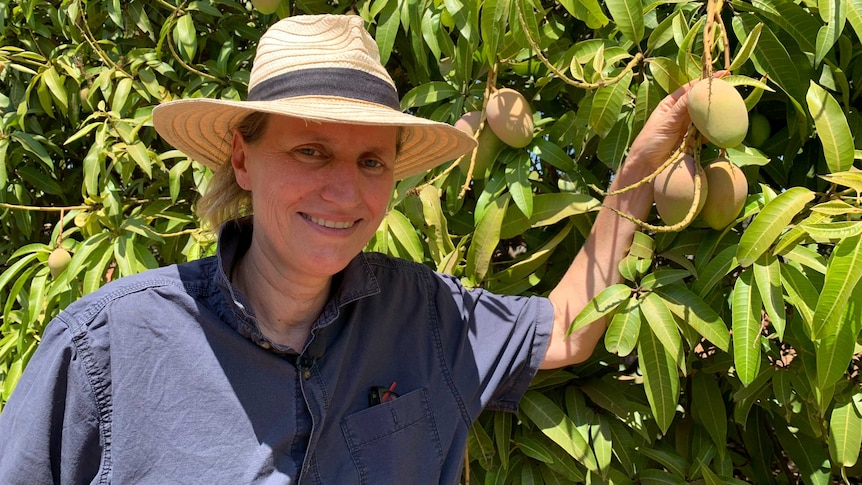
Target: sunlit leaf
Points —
{"points": [[689, 308], [770, 222], [746, 327], [621, 336], [518, 181], [767, 277], [832, 128], [551, 420], [629, 17], [842, 275], [845, 434], [605, 302]]}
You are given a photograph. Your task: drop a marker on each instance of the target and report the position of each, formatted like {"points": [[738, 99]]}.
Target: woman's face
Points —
{"points": [[319, 190]]}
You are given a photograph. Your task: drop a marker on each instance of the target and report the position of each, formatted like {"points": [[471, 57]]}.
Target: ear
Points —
{"points": [[238, 161]]}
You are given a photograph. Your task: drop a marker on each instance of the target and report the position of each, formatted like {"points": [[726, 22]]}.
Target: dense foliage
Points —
{"points": [[731, 355]]}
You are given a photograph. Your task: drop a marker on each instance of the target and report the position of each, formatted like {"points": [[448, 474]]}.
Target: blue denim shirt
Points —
{"points": [[164, 377]]}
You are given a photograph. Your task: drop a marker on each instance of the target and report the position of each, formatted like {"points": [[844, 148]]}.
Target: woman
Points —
{"points": [[292, 356]]}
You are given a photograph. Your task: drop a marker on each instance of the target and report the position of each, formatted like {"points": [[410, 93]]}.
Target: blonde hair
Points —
{"points": [[224, 199]]}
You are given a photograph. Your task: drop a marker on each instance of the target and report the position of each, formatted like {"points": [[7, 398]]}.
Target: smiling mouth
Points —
{"points": [[329, 224]]}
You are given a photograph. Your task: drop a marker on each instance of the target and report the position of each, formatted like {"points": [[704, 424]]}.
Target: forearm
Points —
{"points": [[596, 267]]}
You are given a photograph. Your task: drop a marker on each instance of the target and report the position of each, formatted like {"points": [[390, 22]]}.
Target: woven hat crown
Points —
{"points": [[317, 42], [320, 68]]}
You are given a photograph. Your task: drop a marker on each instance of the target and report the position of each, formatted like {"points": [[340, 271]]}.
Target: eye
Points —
{"points": [[374, 165], [308, 151]]}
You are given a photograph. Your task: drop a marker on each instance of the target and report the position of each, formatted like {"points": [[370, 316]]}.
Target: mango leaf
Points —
{"points": [[480, 445], [593, 11], [654, 476], [662, 323], [185, 37], [34, 146], [832, 128], [602, 441], [842, 274], [502, 436], [852, 179], [745, 156], [518, 181], [563, 464], [486, 238], [801, 293], [707, 408], [668, 74], [428, 93], [661, 381], [770, 222], [608, 103], [405, 234], [493, 25], [689, 308], [808, 454], [534, 448], [825, 233], [834, 353], [629, 18], [621, 336], [834, 15], [662, 277], [807, 257], [845, 434], [836, 208], [387, 28], [744, 52], [854, 15], [604, 303], [547, 209], [669, 459], [746, 326], [613, 147], [632, 268], [554, 423], [767, 277], [772, 60], [550, 152], [715, 271], [792, 18], [436, 224]]}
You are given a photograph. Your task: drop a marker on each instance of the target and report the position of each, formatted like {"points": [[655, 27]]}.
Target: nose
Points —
{"points": [[341, 183]]}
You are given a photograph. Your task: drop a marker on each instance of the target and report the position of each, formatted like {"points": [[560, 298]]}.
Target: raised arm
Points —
{"points": [[595, 266]]}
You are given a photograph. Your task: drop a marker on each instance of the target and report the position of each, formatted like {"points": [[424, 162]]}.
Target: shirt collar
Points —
{"points": [[355, 282]]}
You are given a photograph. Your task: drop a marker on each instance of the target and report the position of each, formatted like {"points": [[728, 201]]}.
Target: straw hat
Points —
{"points": [[321, 68]]}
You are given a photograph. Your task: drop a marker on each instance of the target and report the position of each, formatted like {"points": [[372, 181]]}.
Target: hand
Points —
{"points": [[663, 131], [665, 128]]}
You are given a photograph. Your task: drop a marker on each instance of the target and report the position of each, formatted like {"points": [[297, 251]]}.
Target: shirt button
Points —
{"points": [[264, 344]]}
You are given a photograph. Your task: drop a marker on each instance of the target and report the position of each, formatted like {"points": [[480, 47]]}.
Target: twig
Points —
{"points": [[489, 85], [91, 39], [649, 178], [174, 53], [689, 216], [638, 57], [4, 205]]}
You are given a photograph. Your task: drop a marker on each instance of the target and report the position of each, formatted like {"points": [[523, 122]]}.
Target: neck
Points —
{"points": [[286, 304]]}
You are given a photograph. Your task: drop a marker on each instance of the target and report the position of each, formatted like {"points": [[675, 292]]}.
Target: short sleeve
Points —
{"points": [[504, 338], [50, 424]]}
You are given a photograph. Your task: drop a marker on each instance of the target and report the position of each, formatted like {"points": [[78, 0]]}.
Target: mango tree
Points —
{"points": [[733, 347]]}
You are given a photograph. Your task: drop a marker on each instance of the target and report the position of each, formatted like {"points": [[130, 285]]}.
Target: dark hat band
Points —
{"points": [[326, 81]]}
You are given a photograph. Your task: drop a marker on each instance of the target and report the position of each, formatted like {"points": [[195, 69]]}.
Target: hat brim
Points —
{"points": [[202, 128]]}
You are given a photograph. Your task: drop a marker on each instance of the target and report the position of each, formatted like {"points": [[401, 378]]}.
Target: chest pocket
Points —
{"points": [[396, 441]]}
